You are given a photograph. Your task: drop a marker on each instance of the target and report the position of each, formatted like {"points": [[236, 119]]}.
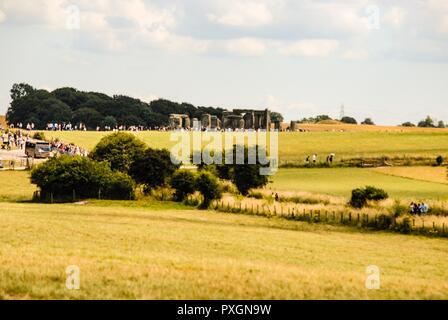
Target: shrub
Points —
{"points": [[120, 149], [398, 209], [361, 195], [183, 182], [439, 160], [405, 226], [358, 199], [349, 120], [39, 136], [87, 178], [208, 185], [375, 194], [152, 168], [245, 176]]}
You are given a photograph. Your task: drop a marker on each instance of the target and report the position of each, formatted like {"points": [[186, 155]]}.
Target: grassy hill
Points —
{"points": [[295, 146]]}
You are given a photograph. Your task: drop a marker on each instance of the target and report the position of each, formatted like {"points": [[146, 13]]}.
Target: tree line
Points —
{"points": [[93, 109]]}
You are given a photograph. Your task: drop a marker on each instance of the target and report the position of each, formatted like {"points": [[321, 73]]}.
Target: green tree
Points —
{"points": [[368, 121], [276, 117], [152, 168], [66, 176], [183, 181], [90, 117], [407, 124], [441, 124], [110, 122], [207, 184], [245, 176], [120, 149], [349, 120], [427, 123]]}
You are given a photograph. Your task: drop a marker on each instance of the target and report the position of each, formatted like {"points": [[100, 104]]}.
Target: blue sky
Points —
{"points": [[381, 59]]}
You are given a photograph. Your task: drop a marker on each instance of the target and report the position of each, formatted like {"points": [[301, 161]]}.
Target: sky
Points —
{"points": [[384, 59]]}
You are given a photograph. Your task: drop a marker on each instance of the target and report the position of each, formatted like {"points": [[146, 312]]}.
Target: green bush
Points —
{"points": [[439, 160], [245, 176], [183, 182], [39, 136], [120, 149], [152, 168], [360, 196], [375, 194], [66, 177], [358, 199], [405, 226], [208, 185]]}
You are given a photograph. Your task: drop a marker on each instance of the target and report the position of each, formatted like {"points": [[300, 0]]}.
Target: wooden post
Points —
{"points": [[51, 197], [358, 217], [350, 217]]}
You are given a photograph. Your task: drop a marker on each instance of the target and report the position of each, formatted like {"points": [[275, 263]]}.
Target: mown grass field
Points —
{"points": [[163, 252], [152, 250], [296, 146], [340, 182]]}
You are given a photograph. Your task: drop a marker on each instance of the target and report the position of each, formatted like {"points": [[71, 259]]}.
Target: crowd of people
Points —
{"points": [[69, 149], [418, 208], [10, 140], [16, 140]]}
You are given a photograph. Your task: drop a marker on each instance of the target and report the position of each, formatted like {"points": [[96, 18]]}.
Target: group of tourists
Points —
{"points": [[66, 127], [69, 149], [314, 158], [10, 140], [20, 125], [418, 208]]}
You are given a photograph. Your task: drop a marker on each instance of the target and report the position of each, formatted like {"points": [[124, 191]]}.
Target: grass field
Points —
{"points": [[163, 252], [297, 145], [340, 182], [147, 249], [432, 174]]}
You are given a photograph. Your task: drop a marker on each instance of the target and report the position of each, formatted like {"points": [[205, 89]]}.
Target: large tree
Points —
{"points": [[120, 149]]}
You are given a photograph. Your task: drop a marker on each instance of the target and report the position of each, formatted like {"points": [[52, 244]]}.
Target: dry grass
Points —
{"points": [[334, 127], [159, 252], [432, 174]]}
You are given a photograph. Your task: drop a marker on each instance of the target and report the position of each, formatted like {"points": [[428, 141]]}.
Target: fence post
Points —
{"points": [[51, 197], [350, 217]]}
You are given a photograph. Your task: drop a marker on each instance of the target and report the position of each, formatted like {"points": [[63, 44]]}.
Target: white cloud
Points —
{"points": [[2, 16], [310, 48], [246, 47], [242, 14]]}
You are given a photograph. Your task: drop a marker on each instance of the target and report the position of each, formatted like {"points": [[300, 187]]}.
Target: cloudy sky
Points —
{"points": [[385, 59]]}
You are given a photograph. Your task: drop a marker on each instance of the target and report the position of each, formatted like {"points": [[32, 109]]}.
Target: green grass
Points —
{"points": [[296, 146], [15, 186], [166, 252], [340, 182]]}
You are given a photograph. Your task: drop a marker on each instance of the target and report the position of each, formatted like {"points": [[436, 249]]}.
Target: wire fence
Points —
{"points": [[404, 224]]}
